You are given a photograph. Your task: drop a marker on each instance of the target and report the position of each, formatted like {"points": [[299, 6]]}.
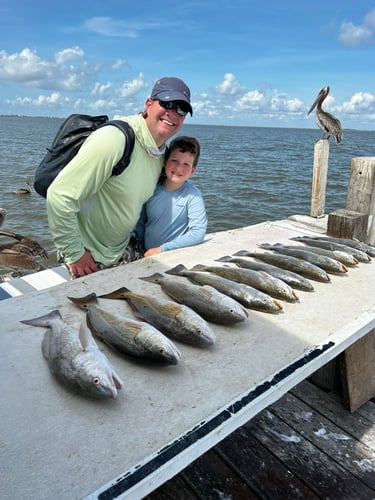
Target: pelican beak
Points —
{"points": [[313, 105]]}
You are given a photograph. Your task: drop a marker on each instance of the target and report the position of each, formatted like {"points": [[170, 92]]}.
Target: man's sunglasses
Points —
{"points": [[176, 105]]}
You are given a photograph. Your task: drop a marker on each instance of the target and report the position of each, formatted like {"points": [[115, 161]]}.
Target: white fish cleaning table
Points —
{"points": [[56, 444]]}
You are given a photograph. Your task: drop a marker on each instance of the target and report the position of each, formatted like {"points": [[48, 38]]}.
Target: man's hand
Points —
{"points": [[84, 265], [153, 251]]}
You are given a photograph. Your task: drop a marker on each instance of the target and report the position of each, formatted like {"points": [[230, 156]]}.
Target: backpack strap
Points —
{"points": [[129, 145]]}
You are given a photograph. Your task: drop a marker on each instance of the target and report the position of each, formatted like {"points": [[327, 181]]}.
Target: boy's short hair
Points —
{"points": [[185, 144]]}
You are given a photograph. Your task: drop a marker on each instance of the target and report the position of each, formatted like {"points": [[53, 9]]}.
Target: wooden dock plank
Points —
{"points": [[274, 456]]}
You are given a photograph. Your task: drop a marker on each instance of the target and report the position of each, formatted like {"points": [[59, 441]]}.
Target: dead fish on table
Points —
{"points": [[327, 263], [212, 305], [330, 245], [248, 296], [291, 264], [74, 357], [359, 245], [292, 279], [345, 258], [129, 336], [175, 320], [257, 279]]}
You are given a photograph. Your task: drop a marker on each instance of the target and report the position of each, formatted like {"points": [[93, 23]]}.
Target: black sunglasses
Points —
{"points": [[177, 106]]}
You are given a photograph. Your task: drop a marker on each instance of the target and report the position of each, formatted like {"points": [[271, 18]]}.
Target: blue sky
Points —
{"points": [[246, 62]]}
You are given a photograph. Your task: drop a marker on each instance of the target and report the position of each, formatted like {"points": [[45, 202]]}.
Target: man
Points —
{"points": [[91, 214]]}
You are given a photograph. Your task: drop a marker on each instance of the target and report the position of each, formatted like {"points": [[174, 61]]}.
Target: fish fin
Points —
{"points": [[198, 267], [83, 301], [278, 305], [117, 380], [44, 320], [85, 335], [242, 252], [116, 294], [45, 344], [154, 278], [226, 258], [298, 238], [269, 245], [178, 270]]}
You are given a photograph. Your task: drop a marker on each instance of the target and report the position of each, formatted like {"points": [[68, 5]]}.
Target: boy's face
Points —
{"points": [[179, 166]]}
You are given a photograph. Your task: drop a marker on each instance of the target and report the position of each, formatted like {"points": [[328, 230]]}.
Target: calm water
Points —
{"points": [[247, 174]]}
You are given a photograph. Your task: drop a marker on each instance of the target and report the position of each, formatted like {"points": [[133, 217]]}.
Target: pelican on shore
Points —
{"points": [[326, 122], [26, 190]]}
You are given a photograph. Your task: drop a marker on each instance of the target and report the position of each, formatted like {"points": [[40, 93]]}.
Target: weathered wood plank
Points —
{"points": [[345, 223], [357, 458], [361, 191], [319, 182], [323, 476], [214, 479], [173, 489], [332, 408], [263, 471], [359, 371]]}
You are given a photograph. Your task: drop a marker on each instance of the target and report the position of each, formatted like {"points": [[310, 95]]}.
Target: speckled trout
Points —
{"points": [[127, 335], [299, 266], [212, 305], [175, 320], [74, 357], [294, 280], [359, 245], [331, 245], [248, 296], [323, 261], [258, 279]]}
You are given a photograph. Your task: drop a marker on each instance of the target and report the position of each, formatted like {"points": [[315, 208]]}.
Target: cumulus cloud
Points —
{"points": [[229, 86], [129, 89], [359, 102], [353, 35]]}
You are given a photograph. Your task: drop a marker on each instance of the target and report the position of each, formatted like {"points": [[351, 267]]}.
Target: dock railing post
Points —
{"points": [[319, 182], [361, 191]]}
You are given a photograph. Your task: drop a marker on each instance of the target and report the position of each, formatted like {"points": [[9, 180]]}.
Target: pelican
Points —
{"points": [[25, 245], [326, 122], [3, 216], [26, 190]]}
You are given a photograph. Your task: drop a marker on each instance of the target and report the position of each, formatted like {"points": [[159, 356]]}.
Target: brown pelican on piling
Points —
{"points": [[326, 122]]}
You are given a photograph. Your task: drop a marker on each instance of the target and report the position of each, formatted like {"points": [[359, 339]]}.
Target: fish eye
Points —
{"points": [[96, 380]]}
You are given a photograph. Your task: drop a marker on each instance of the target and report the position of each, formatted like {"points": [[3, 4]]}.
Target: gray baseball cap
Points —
{"points": [[171, 88]]}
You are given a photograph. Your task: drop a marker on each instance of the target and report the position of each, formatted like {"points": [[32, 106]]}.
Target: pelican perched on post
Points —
{"points": [[326, 122]]}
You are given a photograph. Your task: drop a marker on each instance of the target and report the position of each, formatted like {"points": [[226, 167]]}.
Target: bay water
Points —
{"points": [[247, 175]]}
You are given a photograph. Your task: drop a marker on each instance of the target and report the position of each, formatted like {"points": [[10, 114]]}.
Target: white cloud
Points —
{"points": [[359, 102], [68, 55], [229, 86], [129, 89], [353, 35]]}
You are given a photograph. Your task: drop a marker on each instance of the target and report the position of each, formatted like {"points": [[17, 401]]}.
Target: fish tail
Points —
{"points": [[178, 270], [120, 293], [44, 320], [82, 302], [154, 278]]}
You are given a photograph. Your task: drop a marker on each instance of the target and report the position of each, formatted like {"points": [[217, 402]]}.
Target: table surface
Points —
{"points": [[55, 443]]}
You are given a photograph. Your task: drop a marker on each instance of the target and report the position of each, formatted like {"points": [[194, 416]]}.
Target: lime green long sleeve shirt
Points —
{"points": [[88, 208]]}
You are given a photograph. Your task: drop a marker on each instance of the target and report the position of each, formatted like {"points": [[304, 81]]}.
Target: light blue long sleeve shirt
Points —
{"points": [[173, 219]]}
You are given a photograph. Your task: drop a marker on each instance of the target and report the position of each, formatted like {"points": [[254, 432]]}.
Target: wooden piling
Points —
{"points": [[361, 191], [319, 183]]}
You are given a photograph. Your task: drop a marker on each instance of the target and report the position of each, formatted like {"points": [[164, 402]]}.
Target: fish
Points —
{"points": [[292, 279], [74, 357], [299, 266], [246, 295], [344, 257], [127, 335], [258, 279], [327, 263], [359, 245], [212, 305], [175, 320], [331, 245]]}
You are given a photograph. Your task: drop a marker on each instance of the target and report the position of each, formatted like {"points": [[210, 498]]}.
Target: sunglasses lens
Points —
{"points": [[180, 109]]}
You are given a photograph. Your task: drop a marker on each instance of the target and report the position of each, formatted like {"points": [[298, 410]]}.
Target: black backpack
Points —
{"points": [[69, 138]]}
